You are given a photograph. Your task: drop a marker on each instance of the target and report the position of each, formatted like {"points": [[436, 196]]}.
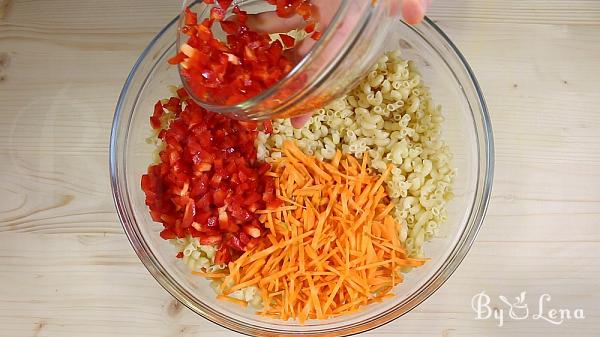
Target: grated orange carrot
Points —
{"points": [[232, 300], [209, 275], [331, 248]]}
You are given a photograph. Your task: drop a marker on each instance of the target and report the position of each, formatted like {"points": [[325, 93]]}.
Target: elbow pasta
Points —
{"points": [[196, 257], [389, 115]]}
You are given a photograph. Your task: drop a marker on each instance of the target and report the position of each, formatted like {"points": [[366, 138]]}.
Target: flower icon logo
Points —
{"points": [[518, 310]]}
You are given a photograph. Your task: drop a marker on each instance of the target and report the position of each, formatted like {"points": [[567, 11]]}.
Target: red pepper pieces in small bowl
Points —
{"points": [[246, 62]]}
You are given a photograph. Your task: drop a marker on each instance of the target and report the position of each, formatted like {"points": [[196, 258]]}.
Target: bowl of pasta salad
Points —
{"points": [[335, 228]]}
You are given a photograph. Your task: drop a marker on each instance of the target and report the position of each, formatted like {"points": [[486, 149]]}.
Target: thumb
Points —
{"points": [[298, 122], [414, 10]]}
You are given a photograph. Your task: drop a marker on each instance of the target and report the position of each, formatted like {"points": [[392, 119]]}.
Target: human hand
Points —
{"points": [[413, 12]]}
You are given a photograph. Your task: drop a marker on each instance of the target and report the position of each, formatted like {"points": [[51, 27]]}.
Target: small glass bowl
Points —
{"points": [[349, 46], [466, 129]]}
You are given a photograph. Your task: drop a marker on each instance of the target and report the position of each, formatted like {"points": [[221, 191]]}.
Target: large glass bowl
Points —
{"points": [[467, 130]]}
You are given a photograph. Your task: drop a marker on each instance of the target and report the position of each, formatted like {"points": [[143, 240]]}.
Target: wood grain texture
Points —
{"points": [[67, 270]]}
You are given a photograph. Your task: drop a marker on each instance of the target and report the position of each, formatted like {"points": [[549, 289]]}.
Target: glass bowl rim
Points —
{"points": [[440, 276]]}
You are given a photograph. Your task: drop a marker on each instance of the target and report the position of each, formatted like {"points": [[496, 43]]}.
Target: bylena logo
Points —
{"points": [[518, 309]]}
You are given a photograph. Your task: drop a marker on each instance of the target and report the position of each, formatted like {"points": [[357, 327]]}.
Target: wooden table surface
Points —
{"points": [[67, 269]]}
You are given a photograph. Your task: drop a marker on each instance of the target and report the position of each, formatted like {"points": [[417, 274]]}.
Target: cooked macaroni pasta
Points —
{"points": [[389, 115]]}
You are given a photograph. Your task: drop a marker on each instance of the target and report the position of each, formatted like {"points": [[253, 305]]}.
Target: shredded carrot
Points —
{"points": [[331, 248], [232, 300], [209, 275], [242, 285]]}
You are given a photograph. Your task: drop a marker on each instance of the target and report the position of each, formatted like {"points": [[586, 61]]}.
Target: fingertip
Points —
{"points": [[298, 122], [413, 11]]}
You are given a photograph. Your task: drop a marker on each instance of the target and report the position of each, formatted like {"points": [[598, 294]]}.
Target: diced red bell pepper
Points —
{"points": [[191, 18], [210, 239], [234, 242], [178, 58], [222, 255], [288, 41], [268, 127], [217, 13], [167, 234], [229, 27], [252, 61], [209, 182]]}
